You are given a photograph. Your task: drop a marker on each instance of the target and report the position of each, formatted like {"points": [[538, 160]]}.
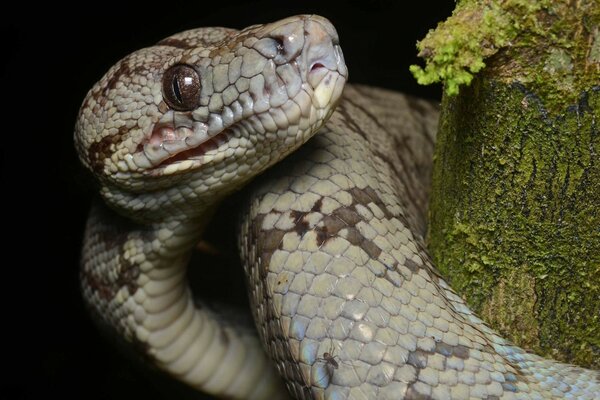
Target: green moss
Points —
{"points": [[533, 42], [515, 223], [456, 49], [512, 308], [594, 55]]}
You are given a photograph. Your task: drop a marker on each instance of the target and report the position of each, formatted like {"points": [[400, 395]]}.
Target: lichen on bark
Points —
{"points": [[515, 209]]}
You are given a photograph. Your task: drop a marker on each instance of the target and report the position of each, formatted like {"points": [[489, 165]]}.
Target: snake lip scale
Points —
{"points": [[345, 299]]}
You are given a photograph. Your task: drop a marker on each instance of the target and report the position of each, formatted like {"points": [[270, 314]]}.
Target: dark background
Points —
{"points": [[52, 56]]}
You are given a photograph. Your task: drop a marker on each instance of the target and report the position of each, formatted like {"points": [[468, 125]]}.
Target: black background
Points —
{"points": [[54, 56]]}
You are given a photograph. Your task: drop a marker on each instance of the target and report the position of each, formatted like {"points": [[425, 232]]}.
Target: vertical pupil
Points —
{"points": [[177, 90]]}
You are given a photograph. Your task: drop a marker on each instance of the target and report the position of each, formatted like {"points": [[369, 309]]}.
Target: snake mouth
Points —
{"points": [[178, 143], [187, 151], [195, 153]]}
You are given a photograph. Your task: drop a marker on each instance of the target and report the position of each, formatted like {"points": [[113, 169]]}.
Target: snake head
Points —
{"points": [[208, 109]]}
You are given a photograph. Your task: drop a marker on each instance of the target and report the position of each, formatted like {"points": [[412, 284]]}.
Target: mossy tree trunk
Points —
{"points": [[515, 210], [515, 215]]}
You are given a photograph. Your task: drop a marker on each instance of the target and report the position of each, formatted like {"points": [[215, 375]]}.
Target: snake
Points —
{"points": [[346, 301]]}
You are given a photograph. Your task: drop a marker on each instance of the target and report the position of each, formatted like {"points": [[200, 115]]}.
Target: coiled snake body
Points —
{"points": [[345, 298]]}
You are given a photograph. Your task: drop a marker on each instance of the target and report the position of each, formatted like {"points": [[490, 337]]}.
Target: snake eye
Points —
{"points": [[181, 87]]}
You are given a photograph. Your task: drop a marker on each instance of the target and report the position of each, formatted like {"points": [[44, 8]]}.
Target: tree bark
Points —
{"points": [[515, 209]]}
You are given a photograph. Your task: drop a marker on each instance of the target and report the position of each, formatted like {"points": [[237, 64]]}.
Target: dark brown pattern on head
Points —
{"points": [[123, 73], [123, 70], [101, 150], [177, 43]]}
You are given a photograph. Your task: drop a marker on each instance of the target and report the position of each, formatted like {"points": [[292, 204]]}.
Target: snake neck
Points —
{"points": [[134, 278], [121, 254]]}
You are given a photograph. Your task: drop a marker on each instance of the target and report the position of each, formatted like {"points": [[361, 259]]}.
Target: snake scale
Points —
{"points": [[345, 299]]}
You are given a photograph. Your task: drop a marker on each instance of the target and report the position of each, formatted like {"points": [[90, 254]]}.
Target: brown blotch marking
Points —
{"points": [[418, 359], [354, 236], [332, 224], [317, 206], [349, 215], [322, 236], [447, 350], [269, 240], [360, 196], [86, 102], [401, 167], [378, 202], [257, 225], [104, 289], [128, 275], [460, 351], [113, 237], [443, 349], [123, 69], [99, 93], [413, 266], [412, 394], [371, 248], [101, 150], [300, 224], [172, 42]]}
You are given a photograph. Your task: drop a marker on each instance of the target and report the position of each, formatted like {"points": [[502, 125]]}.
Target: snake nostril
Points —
{"points": [[316, 66], [279, 44]]}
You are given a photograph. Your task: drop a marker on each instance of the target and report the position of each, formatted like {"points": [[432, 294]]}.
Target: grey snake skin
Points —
{"points": [[346, 301]]}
